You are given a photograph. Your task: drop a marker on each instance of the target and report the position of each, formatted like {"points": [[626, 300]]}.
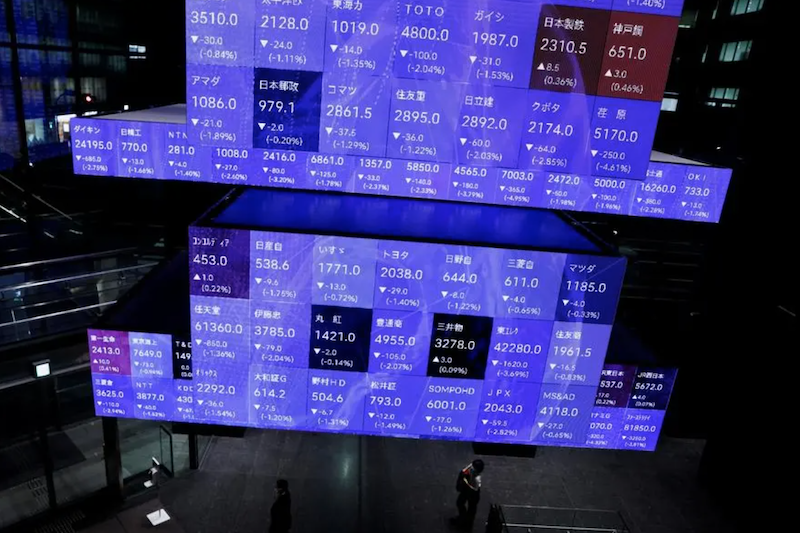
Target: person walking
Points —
{"points": [[468, 486], [281, 511]]}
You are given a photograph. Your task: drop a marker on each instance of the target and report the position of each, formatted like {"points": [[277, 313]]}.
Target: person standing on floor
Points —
{"points": [[281, 512], [468, 486]]}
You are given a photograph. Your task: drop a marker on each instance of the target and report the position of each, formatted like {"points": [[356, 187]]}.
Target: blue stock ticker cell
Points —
{"points": [[360, 37], [214, 33], [278, 396], [291, 35], [336, 400], [590, 289], [355, 113], [215, 99], [400, 342]]}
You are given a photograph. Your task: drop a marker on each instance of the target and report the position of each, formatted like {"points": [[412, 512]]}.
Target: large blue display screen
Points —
{"points": [[572, 86], [378, 337]]}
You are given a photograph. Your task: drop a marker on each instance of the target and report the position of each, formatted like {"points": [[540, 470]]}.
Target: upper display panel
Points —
{"points": [[570, 86]]}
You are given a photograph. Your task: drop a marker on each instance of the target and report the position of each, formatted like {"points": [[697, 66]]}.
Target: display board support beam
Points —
{"points": [[113, 458]]}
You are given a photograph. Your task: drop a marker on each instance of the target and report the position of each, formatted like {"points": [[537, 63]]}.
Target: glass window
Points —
{"points": [[735, 51], [740, 7], [669, 104], [722, 96]]}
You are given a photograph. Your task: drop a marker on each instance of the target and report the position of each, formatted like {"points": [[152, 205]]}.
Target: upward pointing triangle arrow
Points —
{"points": [[540, 67], [608, 74], [197, 277]]}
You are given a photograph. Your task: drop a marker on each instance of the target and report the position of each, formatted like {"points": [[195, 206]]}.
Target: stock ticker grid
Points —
{"points": [[380, 337], [527, 103]]}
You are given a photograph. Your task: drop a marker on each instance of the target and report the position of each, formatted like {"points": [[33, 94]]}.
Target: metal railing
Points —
{"points": [[540, 519]]}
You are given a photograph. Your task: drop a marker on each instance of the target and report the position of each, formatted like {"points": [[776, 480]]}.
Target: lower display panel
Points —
{"points": [[150, 376]]}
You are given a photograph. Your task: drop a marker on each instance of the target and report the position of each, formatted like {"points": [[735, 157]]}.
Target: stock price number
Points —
{"points": [[271, 264], [401, 273], [339, 269], [318, 396], [495, 39], [212, 102], [454, 344], [348, 111], [215, 388], [460, 277], [274, 22], [484, 123], [385, 401], [276, 106], [572, 351], [563, 45], [214, 18], [395, 340], [219, 327], [334, 336], [274, 331], [586, 286], [210, 260], [518, 347], [507, 408], [261, 392]]}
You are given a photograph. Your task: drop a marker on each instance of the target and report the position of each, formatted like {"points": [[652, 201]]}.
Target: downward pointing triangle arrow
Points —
{"points": [[565, 301], [382, 289], [638, 199], [320, 284], [316, 350], [408, 180], [376, 354], [261, 125], [124, 159], [99, 403], [472, 59], [256, 405], [485, 421], [505, 298], [218, 165], [529, 146], [195, 121], [259, 280], [78, 157], [171, 163], [334, 47], [371, 415], [396, 135], [428, 418], [494, 362], [313, 172], [594, 196], [198, 341], [502, 187], [552, 366], [199, 402], [313, 411], [361, 176], [455, 184], [403, 53], [265, 169], [549, 191], [258, 346], [540, 424], [329, 130], [264, 42], [594, 153], [463, 141], [444, 294], [139, 405], [194, 38], [683, 204]]}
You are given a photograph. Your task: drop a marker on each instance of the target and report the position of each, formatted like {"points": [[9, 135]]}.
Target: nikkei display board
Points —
{"points": [[392, 338], [571, 86]]}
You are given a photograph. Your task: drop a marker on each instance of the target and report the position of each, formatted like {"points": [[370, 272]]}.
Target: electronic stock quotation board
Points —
{"points": [[395, 338], [534, 103]]}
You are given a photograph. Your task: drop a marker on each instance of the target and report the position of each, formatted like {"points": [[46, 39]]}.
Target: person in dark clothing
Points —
{"points": [[468, 485], [281, 512]]}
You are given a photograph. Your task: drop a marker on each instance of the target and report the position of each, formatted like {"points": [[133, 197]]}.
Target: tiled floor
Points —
{"points": [[372, 485]]}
